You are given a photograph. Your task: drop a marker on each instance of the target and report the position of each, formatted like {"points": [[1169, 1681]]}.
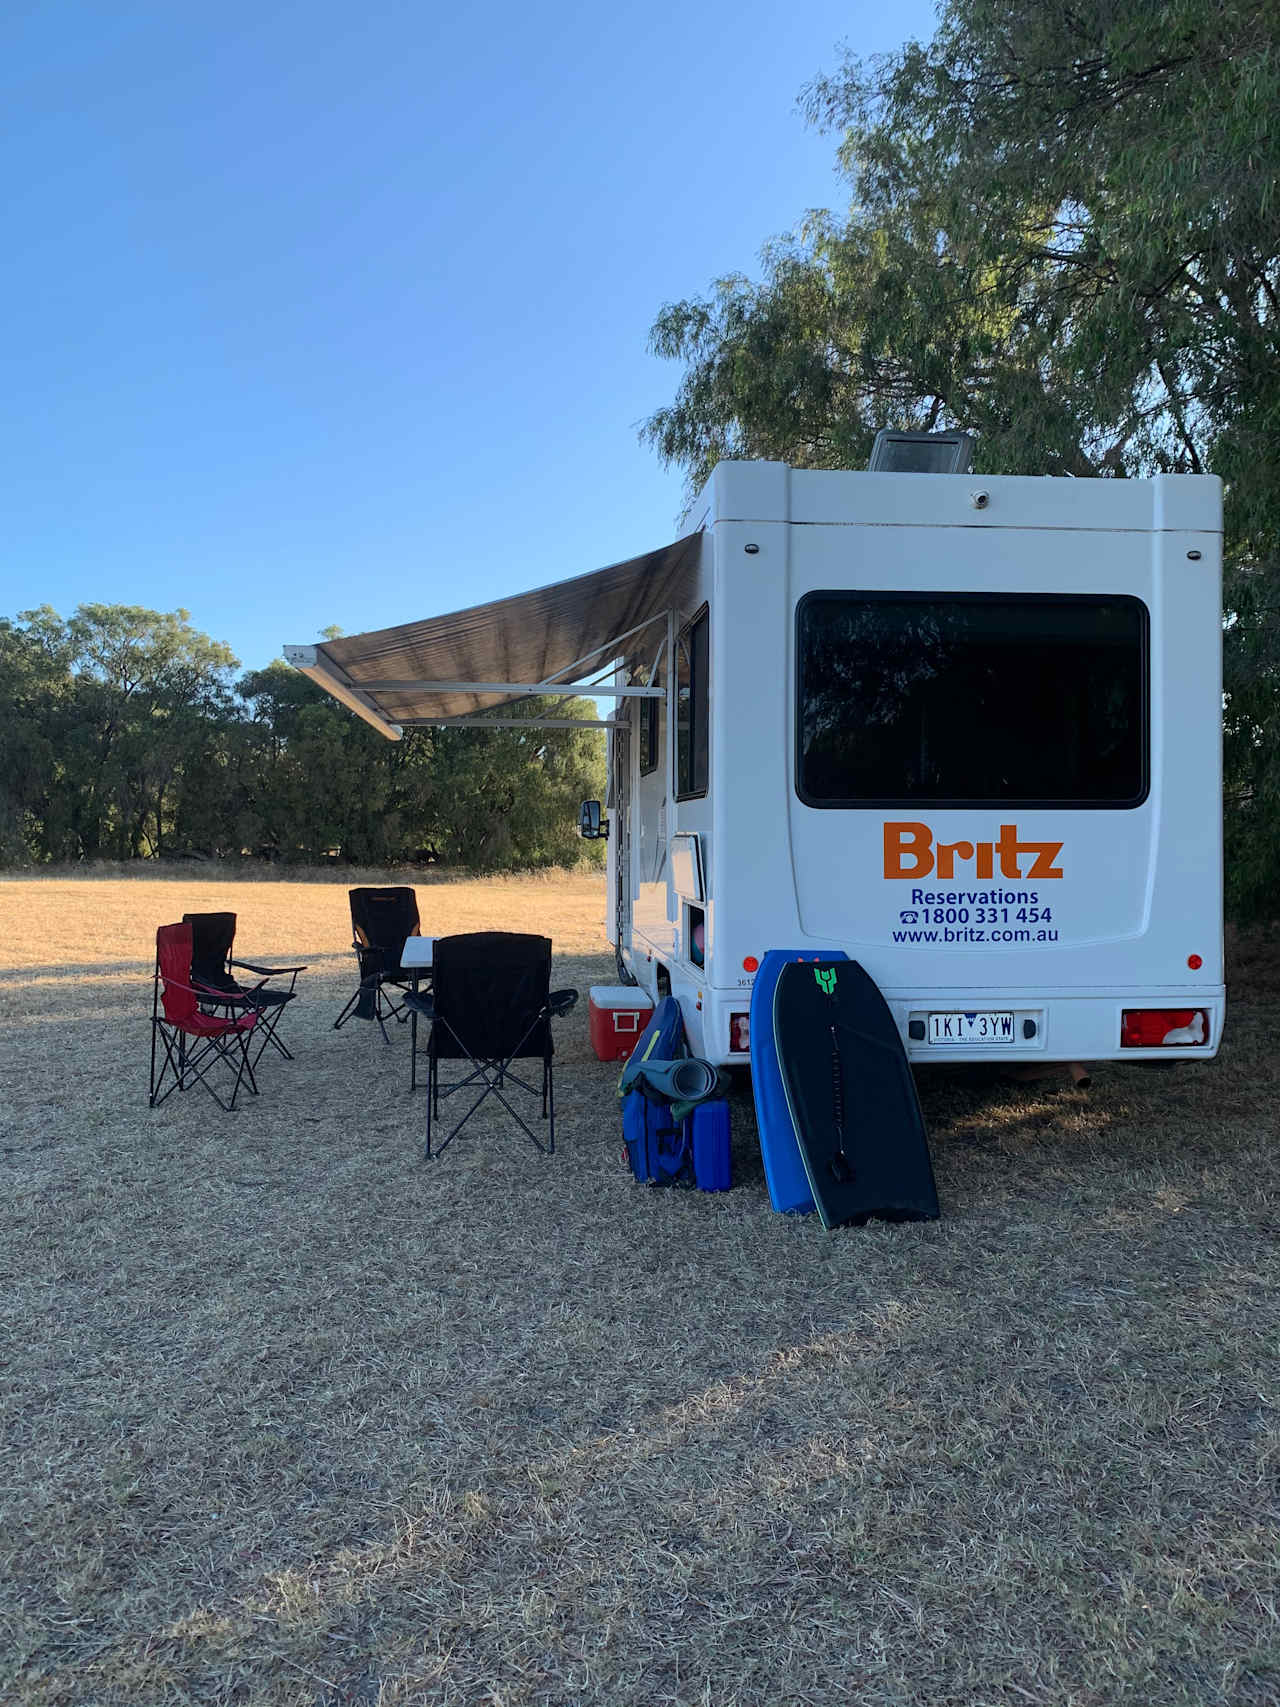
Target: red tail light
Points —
{"points": [[1163, 1028], [739, 1033]]}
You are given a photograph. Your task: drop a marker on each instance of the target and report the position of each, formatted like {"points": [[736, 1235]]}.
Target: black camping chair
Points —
{"points": [[491, 1003], [213, 936], [381, 922]]}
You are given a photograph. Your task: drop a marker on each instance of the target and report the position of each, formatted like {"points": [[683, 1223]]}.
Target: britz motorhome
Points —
{"points": [[966, 729]]}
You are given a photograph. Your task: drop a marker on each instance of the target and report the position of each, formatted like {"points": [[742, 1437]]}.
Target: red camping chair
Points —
{"points": [[194, 1041]]}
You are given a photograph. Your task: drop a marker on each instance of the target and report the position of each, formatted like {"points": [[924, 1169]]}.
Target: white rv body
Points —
{"points": [[995, 931]]}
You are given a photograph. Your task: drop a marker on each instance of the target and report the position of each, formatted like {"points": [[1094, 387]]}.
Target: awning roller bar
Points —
{"points": [[552, 690], [480, 721]]}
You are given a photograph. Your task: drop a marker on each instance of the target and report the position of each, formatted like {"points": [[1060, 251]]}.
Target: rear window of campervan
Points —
{"points": [[971, 699]]}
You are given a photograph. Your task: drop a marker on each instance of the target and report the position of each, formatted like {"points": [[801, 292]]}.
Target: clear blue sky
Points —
{"points": [[327, 313]]}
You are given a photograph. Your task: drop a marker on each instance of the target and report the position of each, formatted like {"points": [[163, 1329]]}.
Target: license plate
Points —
{"points": [[971, 1028]]}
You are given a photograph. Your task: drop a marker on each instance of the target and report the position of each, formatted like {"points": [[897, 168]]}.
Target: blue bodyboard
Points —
{"points": [[852, 1096], [784, 1169]]}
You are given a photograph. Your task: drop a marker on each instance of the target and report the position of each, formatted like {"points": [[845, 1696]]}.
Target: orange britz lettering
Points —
{"points": [[908, 842], [911, 851]]}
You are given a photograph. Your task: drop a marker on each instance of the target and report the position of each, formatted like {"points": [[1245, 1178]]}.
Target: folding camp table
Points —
{"points": [[416, 961]]}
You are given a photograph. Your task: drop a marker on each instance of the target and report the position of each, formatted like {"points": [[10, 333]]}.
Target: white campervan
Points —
{"points": [[966, 729]]}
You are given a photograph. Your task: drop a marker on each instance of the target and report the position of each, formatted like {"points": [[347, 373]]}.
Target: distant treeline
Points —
{"points": [[128, 734]]}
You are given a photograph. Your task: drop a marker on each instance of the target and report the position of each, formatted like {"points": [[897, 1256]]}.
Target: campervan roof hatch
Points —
{"points": [[921, 453]]}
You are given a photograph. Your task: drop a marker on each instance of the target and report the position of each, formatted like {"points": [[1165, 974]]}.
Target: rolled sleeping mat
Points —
{"points": [[686, 1078]]}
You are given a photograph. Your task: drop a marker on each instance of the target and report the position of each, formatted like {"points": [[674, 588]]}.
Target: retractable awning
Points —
{"points": [[546, 641]]}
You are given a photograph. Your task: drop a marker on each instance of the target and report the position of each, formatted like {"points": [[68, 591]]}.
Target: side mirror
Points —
{"points": [[591, 826]]}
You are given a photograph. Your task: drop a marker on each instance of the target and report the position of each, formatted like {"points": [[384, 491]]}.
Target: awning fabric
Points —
{"points": [[530, 638]]}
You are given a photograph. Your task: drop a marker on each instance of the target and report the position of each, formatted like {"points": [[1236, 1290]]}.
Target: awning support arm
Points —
{"points": [[592, 690], [609, 646], [327, 675]]}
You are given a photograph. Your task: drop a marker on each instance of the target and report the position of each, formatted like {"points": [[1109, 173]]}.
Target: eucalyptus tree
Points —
{"points": [[1063, 233]]}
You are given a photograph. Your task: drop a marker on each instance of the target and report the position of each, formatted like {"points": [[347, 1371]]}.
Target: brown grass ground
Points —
{"points": [[290, 1419]]}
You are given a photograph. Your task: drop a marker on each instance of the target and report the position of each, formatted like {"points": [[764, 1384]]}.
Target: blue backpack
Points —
{"points": [[658, 1147]]}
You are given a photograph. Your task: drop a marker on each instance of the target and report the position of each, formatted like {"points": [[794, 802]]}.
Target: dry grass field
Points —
{"points": [[289, 1418]]}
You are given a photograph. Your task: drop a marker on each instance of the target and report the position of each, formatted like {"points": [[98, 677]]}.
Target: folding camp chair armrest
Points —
{"points": [[562, 1002], [231, 997], [271, 971]]}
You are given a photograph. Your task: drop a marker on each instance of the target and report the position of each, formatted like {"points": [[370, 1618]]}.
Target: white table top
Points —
{"points": [[417, 951]]}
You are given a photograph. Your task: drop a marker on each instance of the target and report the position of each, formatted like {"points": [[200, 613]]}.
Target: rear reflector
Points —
{"points": [[739, 1033], [1163, 1028]]}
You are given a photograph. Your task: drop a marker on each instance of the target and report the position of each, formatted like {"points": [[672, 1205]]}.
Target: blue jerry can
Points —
{"points": [[709, 1122]]}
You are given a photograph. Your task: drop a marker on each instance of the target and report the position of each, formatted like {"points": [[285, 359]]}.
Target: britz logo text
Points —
{"points": [[911, 851]]}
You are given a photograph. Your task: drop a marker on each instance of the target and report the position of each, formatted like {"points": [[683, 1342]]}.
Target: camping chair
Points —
{"points": [[212, 937], [490, 1004], [195, 1042], [381, 920]]}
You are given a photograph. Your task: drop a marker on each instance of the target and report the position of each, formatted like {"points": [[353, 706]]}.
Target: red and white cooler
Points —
{"points": [[618, 1014]]}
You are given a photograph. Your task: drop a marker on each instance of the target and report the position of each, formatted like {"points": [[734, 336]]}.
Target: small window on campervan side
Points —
{"points": [[693, 744], [651, 724]]}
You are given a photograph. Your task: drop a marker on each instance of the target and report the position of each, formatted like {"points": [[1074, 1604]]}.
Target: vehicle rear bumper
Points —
{"points": [[1047, 1025]]}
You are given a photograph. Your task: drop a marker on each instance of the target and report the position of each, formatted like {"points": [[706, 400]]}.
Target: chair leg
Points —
{"points": [[382, 1008], [268, 1019], [432, 1097], [389, 1008], [169, 1066], [188, 1063], [379, 1005], [197, 1065], [492, 1075], [246, 1068], [269, 1036]]}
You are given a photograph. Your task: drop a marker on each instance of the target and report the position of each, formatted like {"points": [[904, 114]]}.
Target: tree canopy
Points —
{"points": [[128, 735], [1063, 234]]}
